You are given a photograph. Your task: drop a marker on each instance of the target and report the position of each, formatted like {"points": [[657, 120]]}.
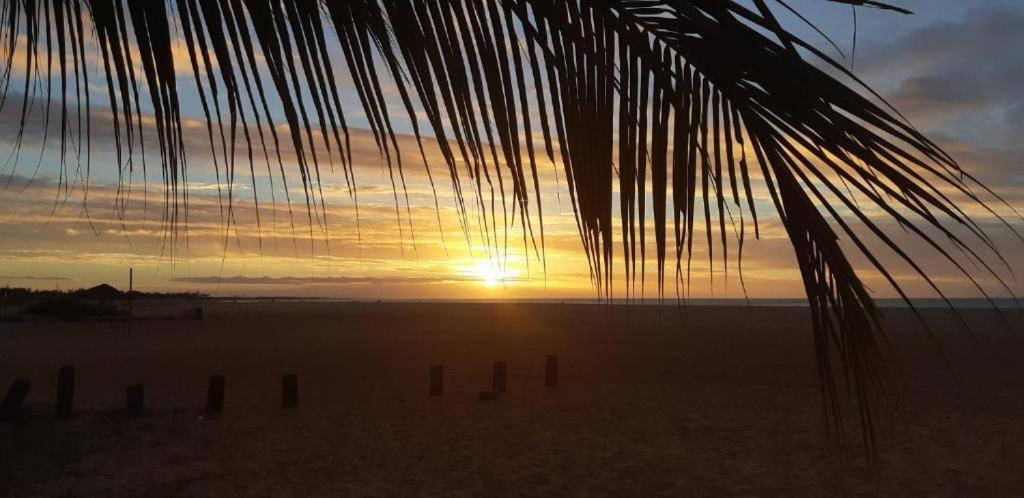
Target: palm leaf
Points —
{"points": [[700, 105]]}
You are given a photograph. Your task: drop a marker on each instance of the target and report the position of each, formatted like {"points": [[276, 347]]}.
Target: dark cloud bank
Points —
{"points": [[976, 65]]}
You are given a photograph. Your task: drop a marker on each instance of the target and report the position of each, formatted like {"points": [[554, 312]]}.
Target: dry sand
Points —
{"points": [[723, 403]]}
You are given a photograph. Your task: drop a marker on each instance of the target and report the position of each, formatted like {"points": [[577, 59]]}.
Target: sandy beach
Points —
{"points": [[719, 401]]}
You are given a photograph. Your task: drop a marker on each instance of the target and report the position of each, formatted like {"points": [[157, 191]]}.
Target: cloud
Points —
{"points": [[1015, 115], [25, 277], [961, 82], [973, 65], [243, 280], [958, 80]]}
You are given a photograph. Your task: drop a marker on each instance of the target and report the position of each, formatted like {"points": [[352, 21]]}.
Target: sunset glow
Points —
{"points": [[412, 241], [491, 273]]}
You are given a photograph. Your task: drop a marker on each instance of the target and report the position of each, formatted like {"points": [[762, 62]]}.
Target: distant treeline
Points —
{"points": [[20, 295]]}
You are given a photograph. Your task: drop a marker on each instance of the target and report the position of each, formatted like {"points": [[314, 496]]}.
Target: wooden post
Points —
{"points": [[551, 371], [498, 382], [10, 408], [136, 401], [65, 391], [131, 289], [436, 380], [215, 394], [289, 391]]}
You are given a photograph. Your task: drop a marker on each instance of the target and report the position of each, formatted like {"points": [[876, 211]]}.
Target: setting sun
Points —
{"points": [[491, 273]]}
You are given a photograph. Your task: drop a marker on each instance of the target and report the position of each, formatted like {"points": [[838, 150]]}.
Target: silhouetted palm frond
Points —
{"points": [[700, 105]]}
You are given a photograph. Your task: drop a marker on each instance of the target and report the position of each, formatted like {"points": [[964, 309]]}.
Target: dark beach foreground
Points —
{"points": [[721, 401]]}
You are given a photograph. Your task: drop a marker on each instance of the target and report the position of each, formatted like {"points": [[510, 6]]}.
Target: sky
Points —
{"points": [[953, 68]]}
